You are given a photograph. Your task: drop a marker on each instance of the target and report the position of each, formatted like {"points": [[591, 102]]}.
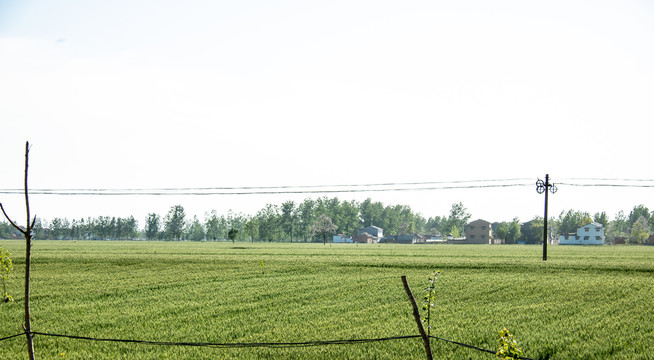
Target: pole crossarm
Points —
{"points": [[542, 185]]}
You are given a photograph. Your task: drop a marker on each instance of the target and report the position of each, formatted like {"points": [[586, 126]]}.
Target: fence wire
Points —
{"points": [[256, 344], [236, 345]]}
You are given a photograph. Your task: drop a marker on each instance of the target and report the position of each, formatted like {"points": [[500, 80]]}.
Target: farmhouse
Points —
{"points": [[478, 232], [591, 234], [373, 230], [365, 238]]}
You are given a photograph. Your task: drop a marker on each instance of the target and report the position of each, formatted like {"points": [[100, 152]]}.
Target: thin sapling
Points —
{"points": [[429, 300]]}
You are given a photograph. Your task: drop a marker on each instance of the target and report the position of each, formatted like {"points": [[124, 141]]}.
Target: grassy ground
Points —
{"points": [[583, 303]]}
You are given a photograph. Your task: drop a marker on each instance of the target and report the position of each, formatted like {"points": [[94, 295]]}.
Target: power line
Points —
{"points": [[254, 192], [608, 185], [609, 179], [277, 187], [285, 189], [607, 182], [333, 188]]}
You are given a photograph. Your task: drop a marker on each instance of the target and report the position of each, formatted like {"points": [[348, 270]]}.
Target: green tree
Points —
{"points": [[306, 217], [40, 230], [289, 218], [174, 223], [82, 229], [252, 229], [75, 229], [223, 227], [333, 210], [601, 218], [532, 231], [640, 211], [391, 219], [514, 229], [115, 228], [232, 234], [571, 220], [152, 226], [536, 230], [420, 223], [640, 231], [212, 225], [60, 228], [102, 227], [372, 213], [269, 219], [502, 232], [509, 231], [88, 228], [129, 228], [7, 231], [434, 225], [457, 220], [618, 227], [350, 220], [236, 221], [410, 222], [454, 231], [194, 230]]}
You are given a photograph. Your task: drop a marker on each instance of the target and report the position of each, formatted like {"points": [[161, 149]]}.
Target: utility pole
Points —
{"points": [[545, 187]]}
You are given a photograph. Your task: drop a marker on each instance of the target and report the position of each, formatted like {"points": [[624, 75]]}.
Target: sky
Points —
{"points": [[229, 94]]}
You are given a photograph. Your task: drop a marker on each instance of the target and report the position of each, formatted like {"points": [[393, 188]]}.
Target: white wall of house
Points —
{"points": [[591, 234]]}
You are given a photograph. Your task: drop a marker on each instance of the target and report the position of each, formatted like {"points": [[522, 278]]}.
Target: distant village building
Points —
{"points": [[365, 238], [436, 239], [342, 239], [478, 232], [369, 235], [405, 239], [373, 230], [591, 234]]}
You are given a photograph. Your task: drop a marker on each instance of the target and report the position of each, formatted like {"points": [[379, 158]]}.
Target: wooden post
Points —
{"points": [[416, 315]]}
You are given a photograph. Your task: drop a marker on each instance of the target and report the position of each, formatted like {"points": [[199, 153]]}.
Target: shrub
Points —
{"points": [[508, 349], [6, 266]]}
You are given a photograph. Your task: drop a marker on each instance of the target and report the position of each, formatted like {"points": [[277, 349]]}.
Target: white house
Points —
{"points": [[591, 234]]}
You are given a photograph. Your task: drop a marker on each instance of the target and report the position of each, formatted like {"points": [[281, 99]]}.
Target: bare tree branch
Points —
{"points": [[27, 200], [11, 222]]}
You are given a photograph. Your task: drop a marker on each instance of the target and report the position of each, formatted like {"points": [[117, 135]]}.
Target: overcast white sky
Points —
{"points": [[151, 94]]}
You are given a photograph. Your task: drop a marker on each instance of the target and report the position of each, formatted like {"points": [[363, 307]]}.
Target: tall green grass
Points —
{"points": [[583, 303]]}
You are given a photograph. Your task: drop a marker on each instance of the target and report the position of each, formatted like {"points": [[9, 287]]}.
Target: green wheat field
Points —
{"points": [[582, 303]]}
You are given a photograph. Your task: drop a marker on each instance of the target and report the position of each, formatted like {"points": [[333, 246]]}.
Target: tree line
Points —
{"points": [[315, 220], [100, 228], [637, 228]]}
